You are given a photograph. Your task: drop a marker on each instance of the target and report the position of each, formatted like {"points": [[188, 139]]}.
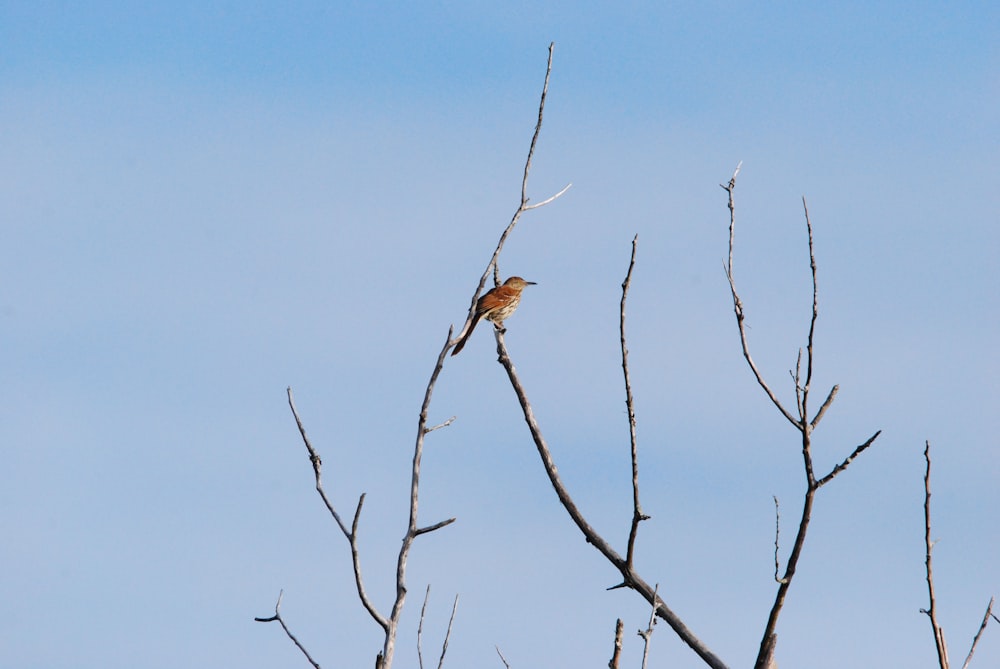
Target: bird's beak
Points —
{"points": [[531, 283]]}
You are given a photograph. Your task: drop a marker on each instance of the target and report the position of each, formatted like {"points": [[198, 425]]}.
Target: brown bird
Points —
{"points": [[496, 305]]}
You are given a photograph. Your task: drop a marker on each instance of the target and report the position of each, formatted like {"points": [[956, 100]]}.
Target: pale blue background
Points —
{"points": [[203, 203]]}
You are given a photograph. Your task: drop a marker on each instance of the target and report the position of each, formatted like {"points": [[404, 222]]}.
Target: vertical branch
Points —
{"points": [[412, 530], [812, 320], [538, 129], [616, 655], [777, 534], [637, 515], [931, 610]]}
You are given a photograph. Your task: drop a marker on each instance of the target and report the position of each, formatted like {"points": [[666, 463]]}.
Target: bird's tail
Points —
{"points": [[461, 341]]}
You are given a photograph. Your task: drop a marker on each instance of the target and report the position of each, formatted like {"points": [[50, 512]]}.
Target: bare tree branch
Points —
{"points": [[389, 625], [631, 578], [647, 634], [637, 515], [738, 303], [616, 655], [777, 534], [815, 313], [502, 658], [493, 264], [975, 640], [317, 464], [931, 610], [288, 632], [847, 461], [412, 531], [826, 405], [805, 426], [447, 634], [420, 627], [352, 534], [435, 526], [440, 425]]}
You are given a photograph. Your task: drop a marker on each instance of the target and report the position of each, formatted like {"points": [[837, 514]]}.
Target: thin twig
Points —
{"points": [[502, 658], [538, 128], [420, 627], [616, 655], [447, 635], [815, 313], [317, 464], [440, 425], [931, 611], [647, 634], [637, 515], [547, 200], [288, 632], [777, 533], [826, 405], [847, 461], [982, 626], [435, 526], [738, 303]]}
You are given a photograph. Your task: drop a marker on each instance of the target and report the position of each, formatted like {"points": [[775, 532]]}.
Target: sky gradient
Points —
{"points": [[205, 203]]}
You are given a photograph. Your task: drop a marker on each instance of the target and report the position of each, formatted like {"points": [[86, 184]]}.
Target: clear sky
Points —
{"points": [[202, 203]]}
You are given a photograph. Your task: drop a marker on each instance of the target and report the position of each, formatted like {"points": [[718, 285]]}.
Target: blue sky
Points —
{"points": [[205, 203]]}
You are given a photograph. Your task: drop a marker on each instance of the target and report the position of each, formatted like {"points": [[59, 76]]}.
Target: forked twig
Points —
{"points": [[288, 632], [352, 534], [390, 624], [802, 423], [931, 611], [493, 264]]}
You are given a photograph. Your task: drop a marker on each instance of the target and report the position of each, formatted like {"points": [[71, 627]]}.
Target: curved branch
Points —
{"points": [[631, 579], [738, 303]]}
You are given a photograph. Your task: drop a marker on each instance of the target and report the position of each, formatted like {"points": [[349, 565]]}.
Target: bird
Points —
{"points": [[496, 305]]}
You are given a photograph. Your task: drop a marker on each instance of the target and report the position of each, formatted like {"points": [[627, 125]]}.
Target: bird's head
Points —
{"points": [[518, 282]]}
